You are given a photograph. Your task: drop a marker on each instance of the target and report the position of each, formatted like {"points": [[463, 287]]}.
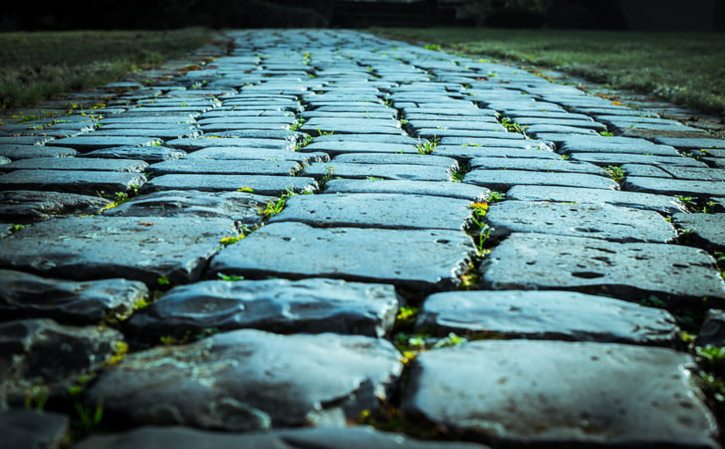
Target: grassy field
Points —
{"points": [[687, 68], [39, 65]]}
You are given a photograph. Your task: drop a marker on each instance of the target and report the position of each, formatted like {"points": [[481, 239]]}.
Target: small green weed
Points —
{"points": [[616, 173], [229, 277], [232, 239], [36, 398], [495, 197], [303, 143], [606, 134], [406, 316], [511, 126], [297, 124], [273, 208], [428, 146], [89, 418], [16, 228], [163, 281]]}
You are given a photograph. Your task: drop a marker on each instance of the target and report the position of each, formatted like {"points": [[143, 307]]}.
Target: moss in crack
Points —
{"points": [[511, 125], [427, 146], [616, 173], [274, 207]]}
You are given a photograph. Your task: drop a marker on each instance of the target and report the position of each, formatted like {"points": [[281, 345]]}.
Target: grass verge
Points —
{"points": [[686, 68], [35, 66]]}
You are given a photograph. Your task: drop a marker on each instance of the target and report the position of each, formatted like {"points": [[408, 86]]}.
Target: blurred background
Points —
{"points": [[636, 15]]}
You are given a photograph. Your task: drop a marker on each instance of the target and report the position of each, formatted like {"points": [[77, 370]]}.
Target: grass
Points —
{"points": [[685, 68], [35, 66]]}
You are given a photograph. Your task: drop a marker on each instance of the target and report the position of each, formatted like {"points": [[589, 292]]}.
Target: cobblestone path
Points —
{"points": [[324, 239]]}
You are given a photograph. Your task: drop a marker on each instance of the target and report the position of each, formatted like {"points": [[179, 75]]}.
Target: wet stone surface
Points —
{"points": [[429, 188], [24, 295], [47, 357], [282, 306], [569, 195], [20, 206], [244, 208], [32, 429], [414, 258], [707, 229], [259, 184], [134, 248], [372, 210], [633, 270], [550, 315], [599, 221], [320, 438], [279, 222], [603, 393], [71, 181], [250, 380], [505, 179], [148, 154]]}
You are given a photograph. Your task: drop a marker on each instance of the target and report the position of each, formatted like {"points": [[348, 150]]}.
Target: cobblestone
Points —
{"points": [[279, 232]]}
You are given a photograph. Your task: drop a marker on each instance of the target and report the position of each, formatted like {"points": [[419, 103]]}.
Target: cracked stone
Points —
{"points": [[505, 179], [73, 163], [414, 258], [635, 270], [243, 208], [148, 154], [562, 394], [21, 206], [89, 143], [72, 181], [43, 354], [395, 211], [391, 171], [549, 315], [599, 221], [31, 429], [143, 249], [319, 438], [259, 184], [251, 380], [673, 186], [430, 188], [635, 200], [25, 295], [275, 305], [231, 167], [707, 229]]}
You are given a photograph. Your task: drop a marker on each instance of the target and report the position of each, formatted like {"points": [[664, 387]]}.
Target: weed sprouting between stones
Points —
{"points": [[459, 172], [327, 177], [16, 228], [297, 124], [232, 239], [606, 133], [229, 277], [698, 205], [428, 146], [616, 172], [274, 207], [511, 126], [303, 143]]}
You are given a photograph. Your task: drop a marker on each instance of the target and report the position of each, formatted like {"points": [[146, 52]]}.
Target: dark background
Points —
{"points": [[660, 15]]}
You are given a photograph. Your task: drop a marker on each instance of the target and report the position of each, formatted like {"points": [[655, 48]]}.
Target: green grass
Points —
{"points": [[35, 66], [686, 68]]}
